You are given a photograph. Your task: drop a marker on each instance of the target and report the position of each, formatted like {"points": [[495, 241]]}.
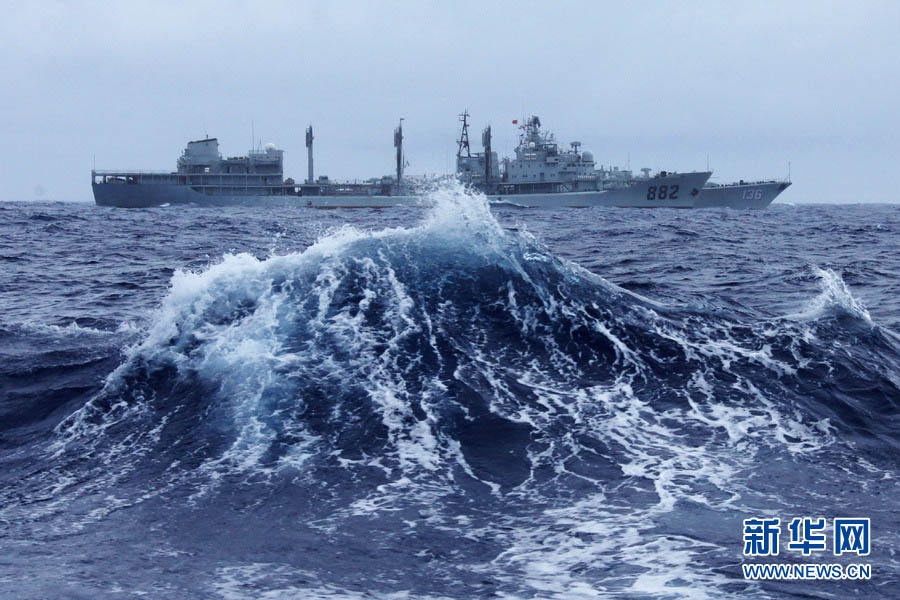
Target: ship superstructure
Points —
{"points": [[476, 168], [541, 165], [202, 168]]}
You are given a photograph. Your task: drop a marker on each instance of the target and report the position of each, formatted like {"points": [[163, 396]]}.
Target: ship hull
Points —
{"points": [[150, 195], [748, 195], [640, 194]]}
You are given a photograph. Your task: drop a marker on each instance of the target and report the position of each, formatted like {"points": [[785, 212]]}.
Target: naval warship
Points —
{"points": [[740, 194], [203, 177], [544, 174]]}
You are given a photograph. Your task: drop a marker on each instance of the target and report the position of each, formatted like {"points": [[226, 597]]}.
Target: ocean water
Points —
{"points": [[442, 403]]}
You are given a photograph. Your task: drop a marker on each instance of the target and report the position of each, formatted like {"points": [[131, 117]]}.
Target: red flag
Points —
{"points": [[515, 121]]}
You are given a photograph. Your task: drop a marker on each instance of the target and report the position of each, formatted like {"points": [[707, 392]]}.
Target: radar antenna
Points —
{"points": [[463, 140]]}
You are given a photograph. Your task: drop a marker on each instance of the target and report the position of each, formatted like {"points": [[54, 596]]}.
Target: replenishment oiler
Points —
{"points": [[541, 175], [203, 177]]}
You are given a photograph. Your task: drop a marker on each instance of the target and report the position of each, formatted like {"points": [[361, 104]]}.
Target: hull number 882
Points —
{"points": [[662, 192]]}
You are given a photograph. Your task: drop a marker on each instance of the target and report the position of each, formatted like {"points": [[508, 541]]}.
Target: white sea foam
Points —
{"points": [[835, 298], [225, 325], [72, 328]]}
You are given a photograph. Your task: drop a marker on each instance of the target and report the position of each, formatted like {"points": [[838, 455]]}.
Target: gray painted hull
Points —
{"points": [[638, 195], [748, 195], [149, 195]]}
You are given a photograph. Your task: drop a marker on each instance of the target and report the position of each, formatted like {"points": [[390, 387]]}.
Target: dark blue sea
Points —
{"points": [[454, 402]]}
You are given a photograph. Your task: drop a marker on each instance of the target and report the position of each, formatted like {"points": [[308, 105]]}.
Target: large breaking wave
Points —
{"points": [[462, 373]]}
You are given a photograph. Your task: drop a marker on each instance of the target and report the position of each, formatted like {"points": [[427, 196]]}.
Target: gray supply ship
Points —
{"points": [[203, 177], [544, 175]]}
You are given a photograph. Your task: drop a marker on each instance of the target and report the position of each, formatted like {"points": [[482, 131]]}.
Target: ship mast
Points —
{"points": [[309, 152], [463, 140], [398, 144], [486, 142]]}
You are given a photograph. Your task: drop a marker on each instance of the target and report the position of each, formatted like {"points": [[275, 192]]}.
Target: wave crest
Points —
{"points": [[453, 350], [834, 300]]}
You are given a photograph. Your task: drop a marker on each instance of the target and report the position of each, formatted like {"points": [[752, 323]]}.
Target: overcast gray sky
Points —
{"points": [[751, 85]]}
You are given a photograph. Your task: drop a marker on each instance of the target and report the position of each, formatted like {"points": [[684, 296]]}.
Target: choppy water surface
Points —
{"points": [[446, 403]]}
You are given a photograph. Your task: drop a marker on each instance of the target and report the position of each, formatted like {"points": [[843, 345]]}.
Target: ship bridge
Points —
{"points": [[541, 165], [202, 168]]}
